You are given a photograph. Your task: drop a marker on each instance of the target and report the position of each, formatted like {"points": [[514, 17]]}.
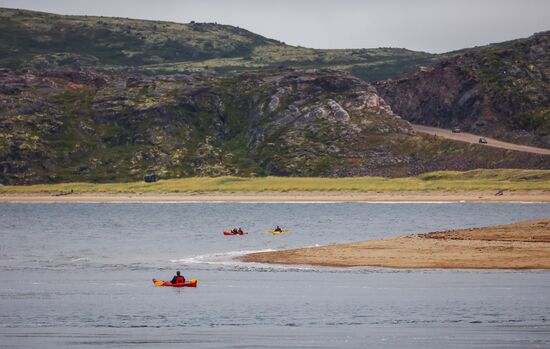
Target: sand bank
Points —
{"points": [[406, 196], [523, 245]]}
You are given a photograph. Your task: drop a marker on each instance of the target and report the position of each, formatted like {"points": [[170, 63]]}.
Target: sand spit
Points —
{"points": [[523, 245]]}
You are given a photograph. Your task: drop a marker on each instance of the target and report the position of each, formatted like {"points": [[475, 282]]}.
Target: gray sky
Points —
{"points": [[426, 25]]}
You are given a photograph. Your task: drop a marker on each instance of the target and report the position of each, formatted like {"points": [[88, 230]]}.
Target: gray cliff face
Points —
{"points": [[310, 124], [65, 125], [500, 90]]}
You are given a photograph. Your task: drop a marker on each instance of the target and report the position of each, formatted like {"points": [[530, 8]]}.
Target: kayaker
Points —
{"points": [[278, 229], [240, 231], [178, 279], [234, 231]]}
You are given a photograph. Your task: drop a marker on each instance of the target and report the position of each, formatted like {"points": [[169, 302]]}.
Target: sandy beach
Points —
{"points": [[408, 196], [523, 245]]}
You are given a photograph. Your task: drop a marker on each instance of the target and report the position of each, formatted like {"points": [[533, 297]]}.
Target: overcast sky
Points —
{"points": [[426, 25]]}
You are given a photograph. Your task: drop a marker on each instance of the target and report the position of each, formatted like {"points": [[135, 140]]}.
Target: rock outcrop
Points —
{"points": [[80, 125], [500, 90]]}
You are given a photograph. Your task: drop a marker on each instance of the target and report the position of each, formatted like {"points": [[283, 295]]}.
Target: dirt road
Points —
{"points": [[471, 138]]}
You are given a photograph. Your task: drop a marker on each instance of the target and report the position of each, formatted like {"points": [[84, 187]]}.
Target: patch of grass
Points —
{"points": [[448, 181]]}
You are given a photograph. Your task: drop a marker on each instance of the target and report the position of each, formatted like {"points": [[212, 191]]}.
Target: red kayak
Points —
{"points": [[190, 283], [230, 233]]}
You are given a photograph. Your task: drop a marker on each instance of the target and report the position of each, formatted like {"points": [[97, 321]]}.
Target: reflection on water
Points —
{"points": [[80, 276]]}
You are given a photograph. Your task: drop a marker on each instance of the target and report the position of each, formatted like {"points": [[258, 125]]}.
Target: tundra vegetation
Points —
{"points": [[99, 99]]}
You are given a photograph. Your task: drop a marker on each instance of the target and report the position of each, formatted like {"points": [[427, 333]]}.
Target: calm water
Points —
{"points": [[78, 276]]}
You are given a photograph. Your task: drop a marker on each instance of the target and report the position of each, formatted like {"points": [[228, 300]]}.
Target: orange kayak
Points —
{"points": [[190, 283]]}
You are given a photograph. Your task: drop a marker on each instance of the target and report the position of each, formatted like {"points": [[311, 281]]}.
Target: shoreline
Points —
{"points": [[288, 197], [518, 246]]}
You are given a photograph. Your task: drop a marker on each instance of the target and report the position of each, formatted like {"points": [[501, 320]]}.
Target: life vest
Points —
{"points": [[180, 279]]}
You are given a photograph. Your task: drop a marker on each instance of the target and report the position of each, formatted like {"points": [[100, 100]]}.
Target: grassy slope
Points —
{"points": [[367, 64], [451, 181], [36, 39], [28, 36]]}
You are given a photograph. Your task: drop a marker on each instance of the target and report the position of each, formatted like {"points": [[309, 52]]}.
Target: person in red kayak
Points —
{"points": [[178, 279]]}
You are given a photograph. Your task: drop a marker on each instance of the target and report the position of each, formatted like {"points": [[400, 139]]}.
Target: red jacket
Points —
{"points": [[178, 280]]}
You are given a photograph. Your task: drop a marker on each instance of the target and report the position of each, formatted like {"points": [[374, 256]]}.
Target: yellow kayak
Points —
{"points": [[277, 232]]}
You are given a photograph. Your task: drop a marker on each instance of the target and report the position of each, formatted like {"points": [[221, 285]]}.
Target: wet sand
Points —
{"points": [[438, 196], [523, 245]]}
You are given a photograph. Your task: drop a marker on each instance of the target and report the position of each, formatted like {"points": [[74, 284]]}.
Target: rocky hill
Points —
{"points": [[36, 40], [111, 99], [500, 90], [68, 125]]}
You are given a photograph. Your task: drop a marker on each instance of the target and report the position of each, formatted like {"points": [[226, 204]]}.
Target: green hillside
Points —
{"points": [[40, 40], [110, 99]]}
